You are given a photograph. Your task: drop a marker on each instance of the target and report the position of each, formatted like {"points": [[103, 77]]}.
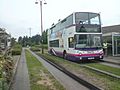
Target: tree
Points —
{"points": [[44, 36], [13, 41], [34, 40], [24, 41], [20, 40]]}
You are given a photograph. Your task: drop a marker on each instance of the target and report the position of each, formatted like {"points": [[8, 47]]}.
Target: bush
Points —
{"points": [[35, 49], [45, 46], [17, 46], [16, 50]]}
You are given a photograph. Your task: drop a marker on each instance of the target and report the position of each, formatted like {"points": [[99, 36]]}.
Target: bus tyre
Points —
{"points": [[64, 55], [50, 51]]}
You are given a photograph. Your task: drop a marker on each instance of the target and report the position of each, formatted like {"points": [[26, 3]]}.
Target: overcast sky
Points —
{"points": [[17, 16]]}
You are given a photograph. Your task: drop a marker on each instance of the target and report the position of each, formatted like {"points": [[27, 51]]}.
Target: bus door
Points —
{"points": [[70, 44]]}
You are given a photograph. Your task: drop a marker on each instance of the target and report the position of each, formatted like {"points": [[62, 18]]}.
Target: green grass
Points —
{"points": [[101, 80], [106, 68], [40, 78]]}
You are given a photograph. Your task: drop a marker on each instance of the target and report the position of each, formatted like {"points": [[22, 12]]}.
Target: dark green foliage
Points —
{"points": [[16, 50], [44, 35], [17, 46], [20, 40], [38, 47], [35, 49], [25, 41], [45, 46], [13, 41], [34, 40]]}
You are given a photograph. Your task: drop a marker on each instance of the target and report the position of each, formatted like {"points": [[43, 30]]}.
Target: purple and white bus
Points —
{"points": [[77, 37]]}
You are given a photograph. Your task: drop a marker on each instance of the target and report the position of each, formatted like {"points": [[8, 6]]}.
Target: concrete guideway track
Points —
{"points": [[65, 80], [21, 80]]}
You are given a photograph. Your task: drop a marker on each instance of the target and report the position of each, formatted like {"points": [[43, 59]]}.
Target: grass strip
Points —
{"points": [[106, 68], [100, 80], [40, 78]]}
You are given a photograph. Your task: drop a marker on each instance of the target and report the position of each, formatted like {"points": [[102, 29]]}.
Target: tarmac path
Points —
{"points": [[21, 80]]}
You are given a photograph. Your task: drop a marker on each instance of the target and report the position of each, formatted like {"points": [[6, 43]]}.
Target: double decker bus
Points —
{"points": [[77, 37]]}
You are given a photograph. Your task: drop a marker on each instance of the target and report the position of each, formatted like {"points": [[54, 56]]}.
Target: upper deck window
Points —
{"points": [[87, 22], [63, 21], [87, 18], [94, 18], [62, 24]]}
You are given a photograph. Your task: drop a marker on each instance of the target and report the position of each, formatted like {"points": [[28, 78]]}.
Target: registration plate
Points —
{"points": [[91, 58]]}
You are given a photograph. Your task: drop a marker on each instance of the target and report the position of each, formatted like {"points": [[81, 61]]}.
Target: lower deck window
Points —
{"points": [[54, 43]]}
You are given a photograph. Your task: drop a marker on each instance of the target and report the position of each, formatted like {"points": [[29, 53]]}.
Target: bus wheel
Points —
{"points": [[51, 52], [64, 55]]}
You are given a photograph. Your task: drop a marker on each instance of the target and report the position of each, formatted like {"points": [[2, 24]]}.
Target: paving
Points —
{"points": [[21, 80], [112, 59], [65, 80]]}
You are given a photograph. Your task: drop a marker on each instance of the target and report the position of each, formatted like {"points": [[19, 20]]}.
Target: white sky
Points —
{"points": [[17, 16]]}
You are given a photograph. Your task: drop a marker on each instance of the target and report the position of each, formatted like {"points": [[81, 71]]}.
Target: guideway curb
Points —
{"points": [[103, 72]]}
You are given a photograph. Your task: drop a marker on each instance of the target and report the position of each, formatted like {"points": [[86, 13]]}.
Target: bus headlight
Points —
{"points": [[85, 52], [79, 52], [82, 52], [101, 51], [96, 51]]}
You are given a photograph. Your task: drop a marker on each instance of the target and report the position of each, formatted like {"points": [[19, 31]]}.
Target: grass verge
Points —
{"points": [[106, 68], [100, 80], [40, 78]]}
